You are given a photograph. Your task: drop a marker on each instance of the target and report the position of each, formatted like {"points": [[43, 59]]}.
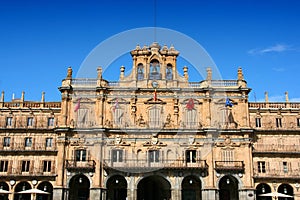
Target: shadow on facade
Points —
{"points": [[154, 187], [79, 188]]}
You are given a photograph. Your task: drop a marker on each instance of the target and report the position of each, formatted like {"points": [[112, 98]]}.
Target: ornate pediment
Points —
{"points": [[154, 142]]}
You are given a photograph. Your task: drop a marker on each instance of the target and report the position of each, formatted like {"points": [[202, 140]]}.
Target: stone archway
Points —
{"points": [[22, 186], [286, 189], [79, 188], [4, 186], [47, 187], [228, 188], [116, 188], [262, 188], [153, 188], [191, 188]]}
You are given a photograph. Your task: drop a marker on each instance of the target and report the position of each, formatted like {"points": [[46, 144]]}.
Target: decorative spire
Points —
{"points": [[99, 73], [185, 73], [69, 75], [2, 96], [286, 96], [43, 97], [266, 97], [122, 70], [209, 74], [23, 96], [240, 74]]}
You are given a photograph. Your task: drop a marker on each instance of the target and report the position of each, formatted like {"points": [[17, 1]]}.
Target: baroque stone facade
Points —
{"points": [[150, 135]]}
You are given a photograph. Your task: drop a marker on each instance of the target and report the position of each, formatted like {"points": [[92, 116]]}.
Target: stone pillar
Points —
{"points": [[209, 194], [247, 194], [175, 194], [95, 193]]}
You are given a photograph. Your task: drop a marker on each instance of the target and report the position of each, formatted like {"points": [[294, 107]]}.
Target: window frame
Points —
{"points": [[25, 166]]}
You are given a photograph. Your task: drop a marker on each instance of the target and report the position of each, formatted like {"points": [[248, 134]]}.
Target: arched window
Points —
{"points": [[154, 70], [169, 72], [140, 71]]}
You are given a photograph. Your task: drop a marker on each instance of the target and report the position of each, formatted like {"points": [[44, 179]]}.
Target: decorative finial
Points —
{"points": [[185, 72], [122, 70], [266, 97], [69, 75], [99, 73], [2, 96], [209, 74], [286, 96], [240, 74], [23, 96], [43, 97]]}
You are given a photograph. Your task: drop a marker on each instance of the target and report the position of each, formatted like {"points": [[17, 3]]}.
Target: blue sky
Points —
{"points": [[40, 39]]}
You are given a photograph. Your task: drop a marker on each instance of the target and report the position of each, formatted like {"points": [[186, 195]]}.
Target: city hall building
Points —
{"points": [[152, 135]]}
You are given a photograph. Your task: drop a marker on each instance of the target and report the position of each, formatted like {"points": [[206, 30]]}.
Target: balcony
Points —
{"points": [[73, 165], [36, 147], [165, 164], [277, 174], [229, 165], [274, 105], [276, 148], [34, 172]]}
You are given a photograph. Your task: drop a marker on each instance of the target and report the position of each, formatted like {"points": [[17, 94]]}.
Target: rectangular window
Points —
{"points": [[278, 123], [50, 121], [191, 156], [153, 156], [154, 117], [117, 155], [80, 155], [285, 167], [30, 121], [25, 165], [28, 142], [49, 142], [3, 165], [257, 122], [9, 121], [261, 166], [298, 122], [227, 155], [6, 141], [47, 166]]}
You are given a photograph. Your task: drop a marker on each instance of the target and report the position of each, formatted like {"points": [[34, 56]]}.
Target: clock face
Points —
{"points": [[154, 84]]}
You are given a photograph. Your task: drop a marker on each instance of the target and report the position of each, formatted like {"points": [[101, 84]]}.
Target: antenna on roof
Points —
{"points": [[254, 97]]}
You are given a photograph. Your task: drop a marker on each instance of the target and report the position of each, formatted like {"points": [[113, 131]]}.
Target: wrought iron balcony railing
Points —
{"points": [[138, 163], [229, 165], [276, 148], [31, 172], [23, 147], [275, 173], [88, 165]]}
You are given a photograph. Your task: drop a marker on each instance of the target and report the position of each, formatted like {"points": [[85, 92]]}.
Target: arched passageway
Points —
{"points": [[4, 186], [262, 188], [154, 188], [79, 188], [228, 188], [286, 189], [191, 188], [46, 187], [116, 188], [22, 186]]}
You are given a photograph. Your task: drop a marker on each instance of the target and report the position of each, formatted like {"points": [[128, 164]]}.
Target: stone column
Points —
{"points": [[209, 194]]}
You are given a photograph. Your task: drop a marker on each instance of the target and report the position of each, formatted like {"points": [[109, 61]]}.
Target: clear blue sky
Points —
{"points": [[40, 39]]}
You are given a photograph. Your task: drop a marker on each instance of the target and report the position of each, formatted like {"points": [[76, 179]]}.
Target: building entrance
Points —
{"points": [[154, 188]]}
